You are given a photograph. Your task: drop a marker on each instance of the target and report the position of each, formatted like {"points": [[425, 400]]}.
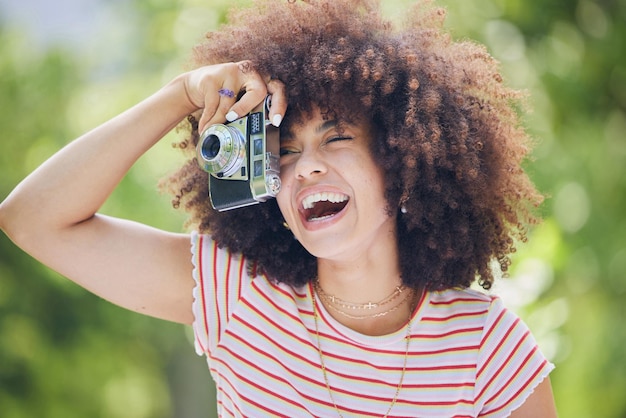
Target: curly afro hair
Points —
{"points": [[449, 135]]}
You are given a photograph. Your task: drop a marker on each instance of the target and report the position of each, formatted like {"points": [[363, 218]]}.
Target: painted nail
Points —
{"points": [[231, 116], [276, 120]]}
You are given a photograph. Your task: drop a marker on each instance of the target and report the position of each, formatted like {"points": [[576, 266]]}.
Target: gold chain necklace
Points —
{"points": [[323, 365], [354, 306], [330, 299]]}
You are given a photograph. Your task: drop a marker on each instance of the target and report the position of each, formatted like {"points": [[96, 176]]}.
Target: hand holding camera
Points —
{"points": [[242, 159], [202, 86], [241, 156]]}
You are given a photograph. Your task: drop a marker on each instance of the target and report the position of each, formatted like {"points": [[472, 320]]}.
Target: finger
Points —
{"points": [[218, 85], [246, 103], [255, 92], [279, 101], [210, 112], [223, 99]]}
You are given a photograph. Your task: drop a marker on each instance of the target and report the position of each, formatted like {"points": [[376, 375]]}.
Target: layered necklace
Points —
{"points": [[355, 310], [336, 304]]}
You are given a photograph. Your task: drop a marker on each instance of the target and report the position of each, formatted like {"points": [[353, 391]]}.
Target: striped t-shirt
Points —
{"points": [[468, 356]]}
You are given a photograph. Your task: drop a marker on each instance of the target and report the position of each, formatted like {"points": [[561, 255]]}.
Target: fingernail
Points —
{"points": [[231, 116], [276, 120]]}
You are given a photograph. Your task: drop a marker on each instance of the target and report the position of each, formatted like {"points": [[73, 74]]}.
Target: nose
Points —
{"points": [[310, 164]]}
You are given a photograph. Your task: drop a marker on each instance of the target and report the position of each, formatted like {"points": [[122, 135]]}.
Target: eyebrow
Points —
{"points": [[326, 125], [322, 127]]}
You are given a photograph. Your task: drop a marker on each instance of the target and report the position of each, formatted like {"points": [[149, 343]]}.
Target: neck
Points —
{"points": [[382, 319], [368, 279], [367, 274]]}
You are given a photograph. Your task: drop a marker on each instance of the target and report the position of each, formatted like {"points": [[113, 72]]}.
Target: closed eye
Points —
{"points": [[339, 138], [287, 151]]}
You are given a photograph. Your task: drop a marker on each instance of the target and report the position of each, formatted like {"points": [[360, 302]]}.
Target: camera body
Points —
{"points": [[242, 159]]}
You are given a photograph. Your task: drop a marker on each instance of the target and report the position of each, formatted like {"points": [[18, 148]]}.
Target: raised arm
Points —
{"points": [[52, 214]]}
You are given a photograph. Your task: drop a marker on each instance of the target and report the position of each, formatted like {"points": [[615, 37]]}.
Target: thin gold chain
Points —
{"points": [[373, 315], [354, 306], [323, 365]]}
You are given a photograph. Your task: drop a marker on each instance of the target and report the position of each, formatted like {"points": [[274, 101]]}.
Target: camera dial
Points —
{"points": [[272, 182]]}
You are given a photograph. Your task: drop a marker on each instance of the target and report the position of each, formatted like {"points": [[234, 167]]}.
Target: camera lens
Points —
{"points": [[221, 150], [211, 147]]}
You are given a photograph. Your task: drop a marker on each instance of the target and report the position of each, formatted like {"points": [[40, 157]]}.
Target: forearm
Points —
{"points": [[73, 184], [50, 214]]}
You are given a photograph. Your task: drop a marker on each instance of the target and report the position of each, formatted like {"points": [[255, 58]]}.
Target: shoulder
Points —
{"points": [[211, 259], [469, 309], [461, 301]]}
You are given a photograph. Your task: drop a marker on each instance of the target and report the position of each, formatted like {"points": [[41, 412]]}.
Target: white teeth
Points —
{"points": [[310, 201]]}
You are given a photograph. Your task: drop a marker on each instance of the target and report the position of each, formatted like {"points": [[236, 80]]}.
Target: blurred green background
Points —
{"points": [[66, 66]]}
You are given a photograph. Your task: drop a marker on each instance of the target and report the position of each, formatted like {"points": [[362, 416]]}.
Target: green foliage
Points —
{"points": [[573, 66], [66, 353]]}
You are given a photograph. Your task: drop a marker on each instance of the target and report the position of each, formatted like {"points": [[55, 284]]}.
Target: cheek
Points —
{"points": [[285, 185], [373, 184], [283, 198]]}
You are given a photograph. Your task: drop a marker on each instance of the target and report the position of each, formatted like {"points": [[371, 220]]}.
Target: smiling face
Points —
{"points": [[332, 193]]}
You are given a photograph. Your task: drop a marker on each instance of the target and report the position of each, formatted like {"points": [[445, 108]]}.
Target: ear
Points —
{"points": [[403, 199]]}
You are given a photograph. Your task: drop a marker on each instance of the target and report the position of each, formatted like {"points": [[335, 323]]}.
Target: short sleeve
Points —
{"points": [[510, 364], [219, 276]]}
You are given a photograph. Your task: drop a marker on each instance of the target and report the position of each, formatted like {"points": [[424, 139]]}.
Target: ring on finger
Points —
{"points": [[224, 92]]}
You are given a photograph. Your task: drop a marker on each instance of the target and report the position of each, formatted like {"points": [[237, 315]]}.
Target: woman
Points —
{"points": [[348, 294]]}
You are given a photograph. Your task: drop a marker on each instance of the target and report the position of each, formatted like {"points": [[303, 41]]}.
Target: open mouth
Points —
{"points": [[320, 206]]}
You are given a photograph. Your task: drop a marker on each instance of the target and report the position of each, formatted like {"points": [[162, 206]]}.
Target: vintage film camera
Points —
{"points": [[242, 159]]}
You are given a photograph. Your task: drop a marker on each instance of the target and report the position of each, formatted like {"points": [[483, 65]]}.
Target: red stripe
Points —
{"points": [[341, 341], [202, 347], [277, 361], [259, 386], [283, 348], [275, 343], [516, 395], [442, 368], [454, 316], [217, 311], [501, 342], [222, 408], [447, 334], [305, 360], [497, 372], [359, 377], [389, 352], [459, 299], [513, 376], [201, 289], [271, 321], [263, 304], [226, 286], [242, 264], [226, 394], [493, 327], [269, 300]]}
